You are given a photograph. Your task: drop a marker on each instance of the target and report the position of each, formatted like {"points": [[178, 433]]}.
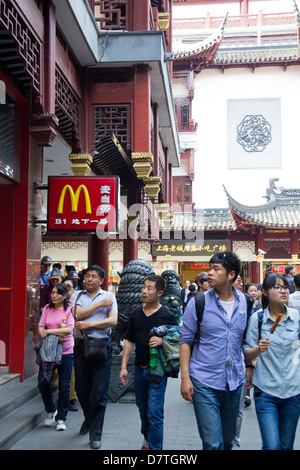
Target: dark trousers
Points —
{"points": [[92, 384], [64, 373]]}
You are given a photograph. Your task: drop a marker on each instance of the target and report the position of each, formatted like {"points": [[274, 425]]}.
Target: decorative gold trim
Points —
{"points": [[163, 21], [142, 169], [152, 185], [81, 163], [163, 210], [142, 156], [142, 163]]}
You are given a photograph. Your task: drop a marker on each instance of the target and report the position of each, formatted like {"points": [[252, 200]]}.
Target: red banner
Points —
{"points": [[83, 203]]}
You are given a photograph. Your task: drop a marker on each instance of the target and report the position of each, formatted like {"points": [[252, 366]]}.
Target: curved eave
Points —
{"points": [[269, 215], [205, 54], [240, 208], [207, 49]]}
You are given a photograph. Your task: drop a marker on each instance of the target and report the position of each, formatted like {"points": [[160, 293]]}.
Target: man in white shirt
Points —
{"points": [[96, 311]]}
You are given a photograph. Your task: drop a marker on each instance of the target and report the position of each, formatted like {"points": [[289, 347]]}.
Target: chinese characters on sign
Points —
{"points": [[183, 248], [83, 203]]}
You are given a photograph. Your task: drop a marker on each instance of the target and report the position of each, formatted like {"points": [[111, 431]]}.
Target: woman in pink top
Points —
{"points": [[57, 319]]}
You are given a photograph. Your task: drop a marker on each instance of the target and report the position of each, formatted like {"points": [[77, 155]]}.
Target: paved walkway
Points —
{"points": [[122, 429]]}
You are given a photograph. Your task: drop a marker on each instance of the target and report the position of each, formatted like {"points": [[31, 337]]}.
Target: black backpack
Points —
{"points": [[200, 303]]}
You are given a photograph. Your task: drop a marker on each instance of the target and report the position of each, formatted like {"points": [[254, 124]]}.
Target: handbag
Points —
{"points": [[94, 346]]}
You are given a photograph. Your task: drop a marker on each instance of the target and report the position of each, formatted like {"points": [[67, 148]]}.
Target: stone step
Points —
{"points": [[8, 380], [20, 422], [21, 409]]}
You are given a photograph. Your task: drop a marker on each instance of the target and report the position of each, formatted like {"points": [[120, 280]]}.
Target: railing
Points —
{"points": [[187, 127], [210, 22]]}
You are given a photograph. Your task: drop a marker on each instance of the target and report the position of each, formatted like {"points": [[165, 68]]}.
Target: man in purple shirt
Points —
{"points": [[212, 373]]}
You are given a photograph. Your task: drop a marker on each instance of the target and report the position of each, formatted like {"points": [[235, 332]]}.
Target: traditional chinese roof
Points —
{"points": [[207, 220], [281, 211], [207, 50], [257, 55], [211, 54]]}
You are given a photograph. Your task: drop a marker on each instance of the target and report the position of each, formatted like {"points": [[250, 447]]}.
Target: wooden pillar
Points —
{"points": [[130, 244], [49, 58], [141, 113], [130, 250], [294, 243], [254, 272], [98, 253], [140, 15]]}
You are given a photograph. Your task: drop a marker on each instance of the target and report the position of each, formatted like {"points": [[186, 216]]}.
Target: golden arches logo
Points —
{"points": [[74, 199]]}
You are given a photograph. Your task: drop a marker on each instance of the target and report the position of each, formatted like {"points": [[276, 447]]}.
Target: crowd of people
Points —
{"points": [[232, 349]]}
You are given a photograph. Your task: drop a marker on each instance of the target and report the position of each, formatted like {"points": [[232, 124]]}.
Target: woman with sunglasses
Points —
{"points": [[276, 376]]}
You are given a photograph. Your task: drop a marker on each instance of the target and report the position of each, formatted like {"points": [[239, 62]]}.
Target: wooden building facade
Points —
{"points": [[94, 76]]}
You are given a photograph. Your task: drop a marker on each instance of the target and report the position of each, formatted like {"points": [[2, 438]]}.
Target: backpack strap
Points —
{"points": [[199, 304], [249, 311]]}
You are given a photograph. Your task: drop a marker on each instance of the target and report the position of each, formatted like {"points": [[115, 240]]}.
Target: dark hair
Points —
{"points": [[248, 285], [192, 288], [70, 278], [69, 268], [62, 290], [201, 277], [57, 266], [288, 269], [230, 262], [160, 283], [95, 267], [270, 281], [297, 280]]}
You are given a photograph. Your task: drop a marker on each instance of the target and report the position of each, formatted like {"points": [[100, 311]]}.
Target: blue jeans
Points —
{"points": [[277, 419], [64, 370], [150, 398], [216, 413]]}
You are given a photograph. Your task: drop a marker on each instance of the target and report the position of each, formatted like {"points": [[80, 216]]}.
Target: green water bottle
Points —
{"points": [[153, 357]]}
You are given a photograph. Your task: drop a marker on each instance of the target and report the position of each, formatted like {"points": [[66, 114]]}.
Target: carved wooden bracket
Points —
{"points": [[43, 128]]}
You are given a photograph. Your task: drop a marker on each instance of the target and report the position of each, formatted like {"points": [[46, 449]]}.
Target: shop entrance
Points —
{"points": [[189, 271]]}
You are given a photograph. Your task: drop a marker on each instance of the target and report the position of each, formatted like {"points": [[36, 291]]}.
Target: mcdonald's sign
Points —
{"points": [[86, 203]]}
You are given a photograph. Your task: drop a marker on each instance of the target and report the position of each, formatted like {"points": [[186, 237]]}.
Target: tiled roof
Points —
{"points": [[207, 219], [257, 55], [209, 52], [281, 212]]}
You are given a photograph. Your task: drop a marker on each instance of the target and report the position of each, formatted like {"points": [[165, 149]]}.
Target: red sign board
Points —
{"points": [[83, 203]]}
